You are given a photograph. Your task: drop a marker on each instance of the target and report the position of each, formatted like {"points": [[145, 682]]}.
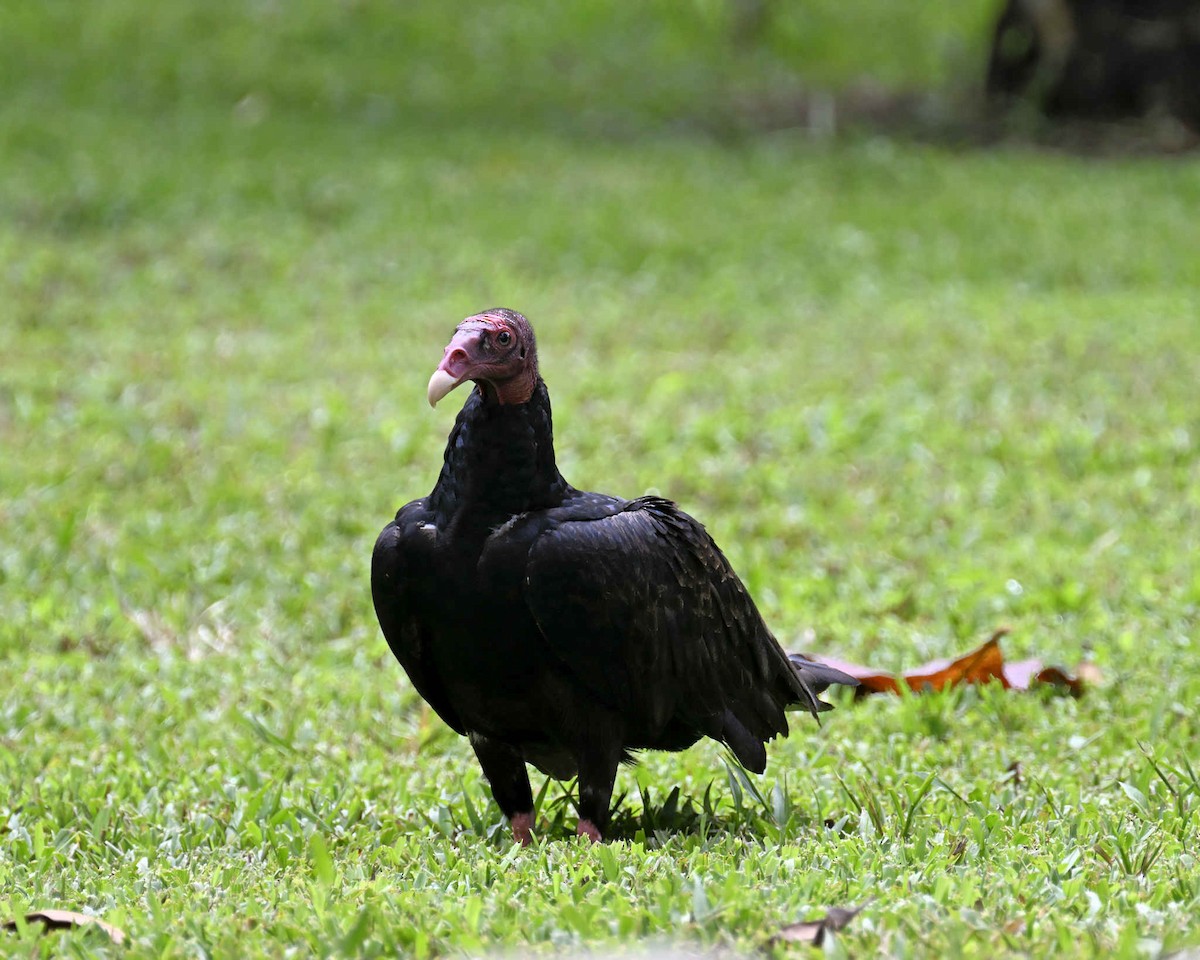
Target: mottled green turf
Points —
{"points": [[916, 394]]}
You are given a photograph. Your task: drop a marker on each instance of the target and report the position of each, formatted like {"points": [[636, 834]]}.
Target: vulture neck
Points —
{"points": [[499, 462]]}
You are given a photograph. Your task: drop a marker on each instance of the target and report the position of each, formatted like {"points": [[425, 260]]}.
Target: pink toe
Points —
{"points": [[588, 829], [522, 828]]}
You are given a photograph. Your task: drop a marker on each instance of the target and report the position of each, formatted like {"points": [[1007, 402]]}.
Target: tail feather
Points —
{"points": [[750, 751], [745, 733], [815, 678]]}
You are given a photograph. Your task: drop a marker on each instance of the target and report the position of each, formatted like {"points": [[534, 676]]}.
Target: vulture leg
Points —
{"points": [[505, 771], [597, 774]]}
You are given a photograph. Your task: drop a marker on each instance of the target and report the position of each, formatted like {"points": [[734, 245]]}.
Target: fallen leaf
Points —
{"points": [[1022, 674], [813, 931], [1054, 675], [982, 665], [978, 666], [68, 920]]}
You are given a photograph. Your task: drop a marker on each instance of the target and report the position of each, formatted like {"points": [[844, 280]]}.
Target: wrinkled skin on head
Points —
{"points": [[495, 349]]}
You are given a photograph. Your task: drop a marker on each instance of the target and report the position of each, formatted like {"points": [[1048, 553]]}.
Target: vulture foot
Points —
{"points": [[588, 829], [522, 828]]}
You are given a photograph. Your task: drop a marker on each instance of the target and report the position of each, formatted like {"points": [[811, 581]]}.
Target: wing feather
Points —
{"points": [[401, 557], [648, 613]]}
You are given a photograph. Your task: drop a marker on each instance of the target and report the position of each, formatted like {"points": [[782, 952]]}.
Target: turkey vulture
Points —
{"points": [[561, 628]]}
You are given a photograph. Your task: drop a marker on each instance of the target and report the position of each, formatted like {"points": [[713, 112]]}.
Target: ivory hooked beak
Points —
{"points": [[440, 384]]}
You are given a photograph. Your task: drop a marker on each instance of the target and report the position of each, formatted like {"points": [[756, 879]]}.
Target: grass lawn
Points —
{"points": [[915, 393]]}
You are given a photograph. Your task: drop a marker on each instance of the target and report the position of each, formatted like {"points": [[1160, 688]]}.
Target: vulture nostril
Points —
{"points": [[455, 360]]}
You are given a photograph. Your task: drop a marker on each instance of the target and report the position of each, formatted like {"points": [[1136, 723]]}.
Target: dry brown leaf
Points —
{"points": [[813, 931], [982, 665], [68, 920]]}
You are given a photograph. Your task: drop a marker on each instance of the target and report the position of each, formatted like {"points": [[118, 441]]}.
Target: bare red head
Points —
{"points": [[497, 350]]}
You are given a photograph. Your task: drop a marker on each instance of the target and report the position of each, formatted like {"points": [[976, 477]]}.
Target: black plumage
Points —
{"points": [[563, 628]]}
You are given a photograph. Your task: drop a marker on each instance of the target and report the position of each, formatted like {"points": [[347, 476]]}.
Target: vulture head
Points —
{"points": [[497, 350]]}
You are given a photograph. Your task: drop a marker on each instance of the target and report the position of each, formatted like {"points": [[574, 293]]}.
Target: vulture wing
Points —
{"points": [[399, 566], [647, 612]]}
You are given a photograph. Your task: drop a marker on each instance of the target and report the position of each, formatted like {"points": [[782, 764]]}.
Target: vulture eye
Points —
{"points": [[504, 338]]}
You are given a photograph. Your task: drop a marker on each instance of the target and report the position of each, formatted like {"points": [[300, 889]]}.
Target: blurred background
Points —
{"points": [[585, 69]]}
